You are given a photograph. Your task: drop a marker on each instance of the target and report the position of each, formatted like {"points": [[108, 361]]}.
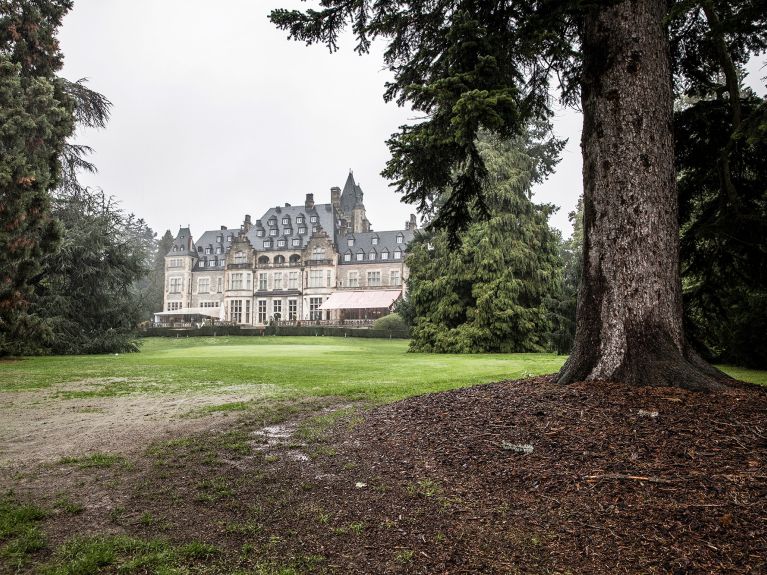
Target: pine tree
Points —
{"points": [[471, 65], [36, 117]]}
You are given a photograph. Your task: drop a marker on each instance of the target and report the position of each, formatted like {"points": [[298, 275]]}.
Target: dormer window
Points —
{"points": [[350, 242], [281, 243], [385, 255], [372, 256], [398, 255], [313, 219], [272, 222], [374, 241], [199, 249], [219, 250], [360, 256], [302, 230], [285, 221], [208, 251], [260, 233], [296, 242], [300, 220], [212, 263], [347, 257], [267, 243], [288, 231], [229, 238], [400, 238], [273, 232]]}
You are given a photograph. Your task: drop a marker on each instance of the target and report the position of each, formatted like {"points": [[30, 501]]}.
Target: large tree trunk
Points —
{"points": [[629, 318]]}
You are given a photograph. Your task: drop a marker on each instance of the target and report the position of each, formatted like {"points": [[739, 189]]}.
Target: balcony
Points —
{"points": [[311, 263], [239, 266]]}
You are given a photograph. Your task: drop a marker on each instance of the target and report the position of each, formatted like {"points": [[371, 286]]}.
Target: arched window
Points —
{"points": [[262, 260], [295, 258], [279, 259]]}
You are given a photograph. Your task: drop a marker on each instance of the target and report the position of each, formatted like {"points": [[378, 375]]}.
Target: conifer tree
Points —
{"points": [[36, 117], [469, 65], [492, 292]]}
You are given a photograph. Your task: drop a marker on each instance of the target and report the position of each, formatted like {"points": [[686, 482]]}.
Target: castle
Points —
{"points": [[311, 262]]}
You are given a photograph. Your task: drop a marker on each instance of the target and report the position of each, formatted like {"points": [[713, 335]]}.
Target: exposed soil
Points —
{"points": [[513, 477]]}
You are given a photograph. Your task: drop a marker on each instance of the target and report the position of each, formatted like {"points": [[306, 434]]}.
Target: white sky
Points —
{"points": [[216, 114]]}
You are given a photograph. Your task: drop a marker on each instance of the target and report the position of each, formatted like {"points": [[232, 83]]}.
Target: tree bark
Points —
{"points": [[629, 315]]}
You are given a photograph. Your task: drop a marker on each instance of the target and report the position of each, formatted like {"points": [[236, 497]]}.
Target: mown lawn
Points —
{"points": [[284, 367]]}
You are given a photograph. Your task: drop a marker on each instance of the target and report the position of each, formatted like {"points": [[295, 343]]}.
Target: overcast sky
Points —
{"points": [[216, 114]]}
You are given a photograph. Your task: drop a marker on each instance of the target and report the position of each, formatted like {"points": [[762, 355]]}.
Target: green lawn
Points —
{"points": [[357, 368]]}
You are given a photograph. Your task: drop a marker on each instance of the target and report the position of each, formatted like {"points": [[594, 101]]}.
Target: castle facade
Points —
{"points": [[304, 263]]}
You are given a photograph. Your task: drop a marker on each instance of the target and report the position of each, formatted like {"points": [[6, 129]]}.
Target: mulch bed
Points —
{"points": [[513, 477], [619, 480]]}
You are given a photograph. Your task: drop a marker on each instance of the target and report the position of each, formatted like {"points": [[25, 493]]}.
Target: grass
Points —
{"points": [[272, 367], [97, 460]]}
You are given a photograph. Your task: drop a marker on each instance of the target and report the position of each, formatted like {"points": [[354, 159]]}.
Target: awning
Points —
{"points": [[361, 299], [206, 311]]}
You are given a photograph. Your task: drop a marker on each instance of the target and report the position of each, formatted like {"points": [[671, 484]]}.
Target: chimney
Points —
{"points": [[335, 197], [246, 225], [411, 225], [287, 205], [223, 228], [309, 203]]}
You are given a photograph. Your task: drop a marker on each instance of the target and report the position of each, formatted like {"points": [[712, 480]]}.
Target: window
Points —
{"points": [[347, 257], [235, 281], [203, 285], [267, 243], [400, 238], [277, 309], [199, 249], [350, 242], [360, 256], [219, 239], [220, 285], [235, 310], [293, 280], [301, 230], [300, 220], [315, 229], [279, 260], [318, 253], [175, 262], [262, 281], [313, 219], [398, 255], [374, 241], [288, 231], [296, 242], [262, 311], [372, 256], [292, 309], [394, 278], [385, 255], [247, 311], [315, 312], [374, 278], [328, 278], [285, 221], [315, 278], [353, 279], [174, 305], [208, 250], [273, 232], [175, 285], [240, 258], [229, 238], [219, 250], [278, 280], [209, 304], [212, 263], [260, 233], [281, 243], [272, 222]]}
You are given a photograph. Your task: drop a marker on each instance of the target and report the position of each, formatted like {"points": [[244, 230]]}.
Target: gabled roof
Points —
{"points": [[209, 239]]}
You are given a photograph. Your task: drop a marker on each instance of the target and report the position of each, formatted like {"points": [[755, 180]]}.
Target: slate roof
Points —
{"points": [[326, 219], [209, 239], [364, 242], [181, 244], [351, 195]]}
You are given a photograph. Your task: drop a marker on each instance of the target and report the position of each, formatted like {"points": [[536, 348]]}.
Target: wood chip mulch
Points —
{"points": [[532, 477]]}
